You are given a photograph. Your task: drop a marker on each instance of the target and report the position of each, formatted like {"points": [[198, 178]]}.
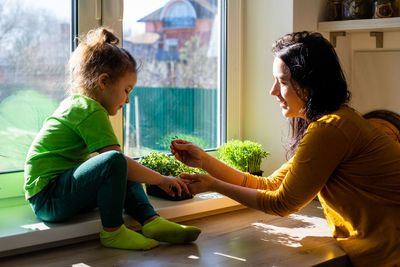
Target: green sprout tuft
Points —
{"points": [[245, 155], [167, 165]]}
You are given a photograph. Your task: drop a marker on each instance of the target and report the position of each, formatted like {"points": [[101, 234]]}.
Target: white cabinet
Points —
{"points": [[369, 51]]}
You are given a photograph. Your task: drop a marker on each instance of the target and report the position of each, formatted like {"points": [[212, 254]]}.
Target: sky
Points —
{"points": [[137, 9], [60, 8], [133, 10]]}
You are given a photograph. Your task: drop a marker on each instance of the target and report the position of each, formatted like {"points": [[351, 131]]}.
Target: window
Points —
{"points": [[183, 73], [172, 45], [35, 45], [179, 92]]}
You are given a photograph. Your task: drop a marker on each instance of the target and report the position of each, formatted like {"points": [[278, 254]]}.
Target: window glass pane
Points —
{"points": [[35, 47], [176, 43]]}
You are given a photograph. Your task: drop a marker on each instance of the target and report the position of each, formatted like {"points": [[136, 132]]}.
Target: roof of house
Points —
{"points": [[148, 38], [205, 9]]}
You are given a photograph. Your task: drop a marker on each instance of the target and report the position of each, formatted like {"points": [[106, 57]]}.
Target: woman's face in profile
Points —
{"points": [[283, 89]]}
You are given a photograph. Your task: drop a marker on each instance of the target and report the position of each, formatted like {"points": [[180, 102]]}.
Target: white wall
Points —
{"points": [[265, 21], [307, 13]]}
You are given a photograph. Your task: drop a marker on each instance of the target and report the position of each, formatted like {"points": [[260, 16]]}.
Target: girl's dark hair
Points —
{"points": [[97, 53], [315, 69]]}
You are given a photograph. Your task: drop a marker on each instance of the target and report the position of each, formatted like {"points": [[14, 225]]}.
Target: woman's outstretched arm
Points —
{"points": [[192, 155], [198, 183]]}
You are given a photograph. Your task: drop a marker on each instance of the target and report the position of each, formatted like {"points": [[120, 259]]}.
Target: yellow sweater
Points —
{"points": [[354, 168]]}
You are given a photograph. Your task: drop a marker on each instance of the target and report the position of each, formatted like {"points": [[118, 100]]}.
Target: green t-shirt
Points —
{"points": [[78, 127]]}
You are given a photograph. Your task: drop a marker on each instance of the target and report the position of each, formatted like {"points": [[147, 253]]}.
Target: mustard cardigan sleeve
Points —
{"points": [[321, 150], [270, 183]]}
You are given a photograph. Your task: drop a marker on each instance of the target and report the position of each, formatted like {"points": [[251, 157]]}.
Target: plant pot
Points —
{"points": [[156, 191], [259, 173]]}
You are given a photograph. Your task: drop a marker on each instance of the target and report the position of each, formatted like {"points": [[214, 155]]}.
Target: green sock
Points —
{"points": [[166, 231], [126, 239]]}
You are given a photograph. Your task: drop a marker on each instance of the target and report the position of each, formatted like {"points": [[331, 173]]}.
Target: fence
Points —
{"points": [[166, 112]]}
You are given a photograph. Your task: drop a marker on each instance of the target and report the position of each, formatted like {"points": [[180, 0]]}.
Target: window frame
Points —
{"points": [[111, 13], [112, 16]]}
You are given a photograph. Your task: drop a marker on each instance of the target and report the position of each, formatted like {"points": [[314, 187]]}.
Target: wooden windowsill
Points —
{"points": [[21, 230]]}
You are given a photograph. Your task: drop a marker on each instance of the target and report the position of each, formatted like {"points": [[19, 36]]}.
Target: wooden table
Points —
{"points": [[240, 238]]}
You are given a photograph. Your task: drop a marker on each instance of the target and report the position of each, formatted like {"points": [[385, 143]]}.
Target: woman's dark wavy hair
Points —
{"points": [[315, 69]]}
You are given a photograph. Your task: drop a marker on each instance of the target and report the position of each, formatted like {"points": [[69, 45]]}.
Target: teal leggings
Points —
{"points": [[99, 182]]}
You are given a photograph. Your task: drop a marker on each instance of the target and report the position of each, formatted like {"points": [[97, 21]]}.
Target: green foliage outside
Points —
{"points": [[167, 165], [245, 155], [12, 189], [136, 152], [21, 116]]}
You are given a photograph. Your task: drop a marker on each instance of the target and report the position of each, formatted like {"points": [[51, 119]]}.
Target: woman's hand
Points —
{"points": [[187, 152], [198, 183], [168, 182]]}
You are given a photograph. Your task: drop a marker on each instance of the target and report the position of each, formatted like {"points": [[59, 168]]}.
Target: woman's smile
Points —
{"points": [[284, 91]]}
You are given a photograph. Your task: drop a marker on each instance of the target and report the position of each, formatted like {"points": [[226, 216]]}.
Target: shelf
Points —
{"points": [[361, 25], [375, 27]]}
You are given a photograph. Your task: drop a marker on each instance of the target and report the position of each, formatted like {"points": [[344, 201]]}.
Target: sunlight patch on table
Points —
{"points": [[81, 264], [36, 226], [193, 257], [229, 256], [210, 195], [291, 236]]}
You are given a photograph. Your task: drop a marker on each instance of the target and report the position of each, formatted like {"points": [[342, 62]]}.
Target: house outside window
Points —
{"points": [[178, 93]]}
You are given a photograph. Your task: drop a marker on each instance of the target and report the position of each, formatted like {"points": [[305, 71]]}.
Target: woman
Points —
{"points": [[352, 166]]}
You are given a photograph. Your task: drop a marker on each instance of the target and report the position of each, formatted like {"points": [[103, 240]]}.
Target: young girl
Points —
{"points": [[61, 179]]}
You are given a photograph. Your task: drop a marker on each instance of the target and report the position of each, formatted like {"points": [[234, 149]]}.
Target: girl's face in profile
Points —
{"points": [[283, 89], [114, 95]]}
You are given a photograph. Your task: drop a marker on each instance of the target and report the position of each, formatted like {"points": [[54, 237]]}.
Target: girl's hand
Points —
{"points": [[187, 152], [168, 182], [198, 183]]}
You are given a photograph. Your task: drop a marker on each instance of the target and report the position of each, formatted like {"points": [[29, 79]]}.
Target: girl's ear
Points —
{"points": [[103, 80]]}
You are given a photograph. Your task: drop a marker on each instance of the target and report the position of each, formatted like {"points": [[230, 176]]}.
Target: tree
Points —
{"points": [[35, 49], [153, 73], [196, 70]]}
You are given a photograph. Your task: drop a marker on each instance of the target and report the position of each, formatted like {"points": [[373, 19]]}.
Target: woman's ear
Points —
{"points": [[103, 80]]}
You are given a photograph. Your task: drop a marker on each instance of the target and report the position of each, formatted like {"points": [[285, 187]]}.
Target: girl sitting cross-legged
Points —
{"points": [[62, 180]]}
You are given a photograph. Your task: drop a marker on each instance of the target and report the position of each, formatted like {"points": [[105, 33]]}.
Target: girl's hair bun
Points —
{"points": [[101, 36], [98, 53]]}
